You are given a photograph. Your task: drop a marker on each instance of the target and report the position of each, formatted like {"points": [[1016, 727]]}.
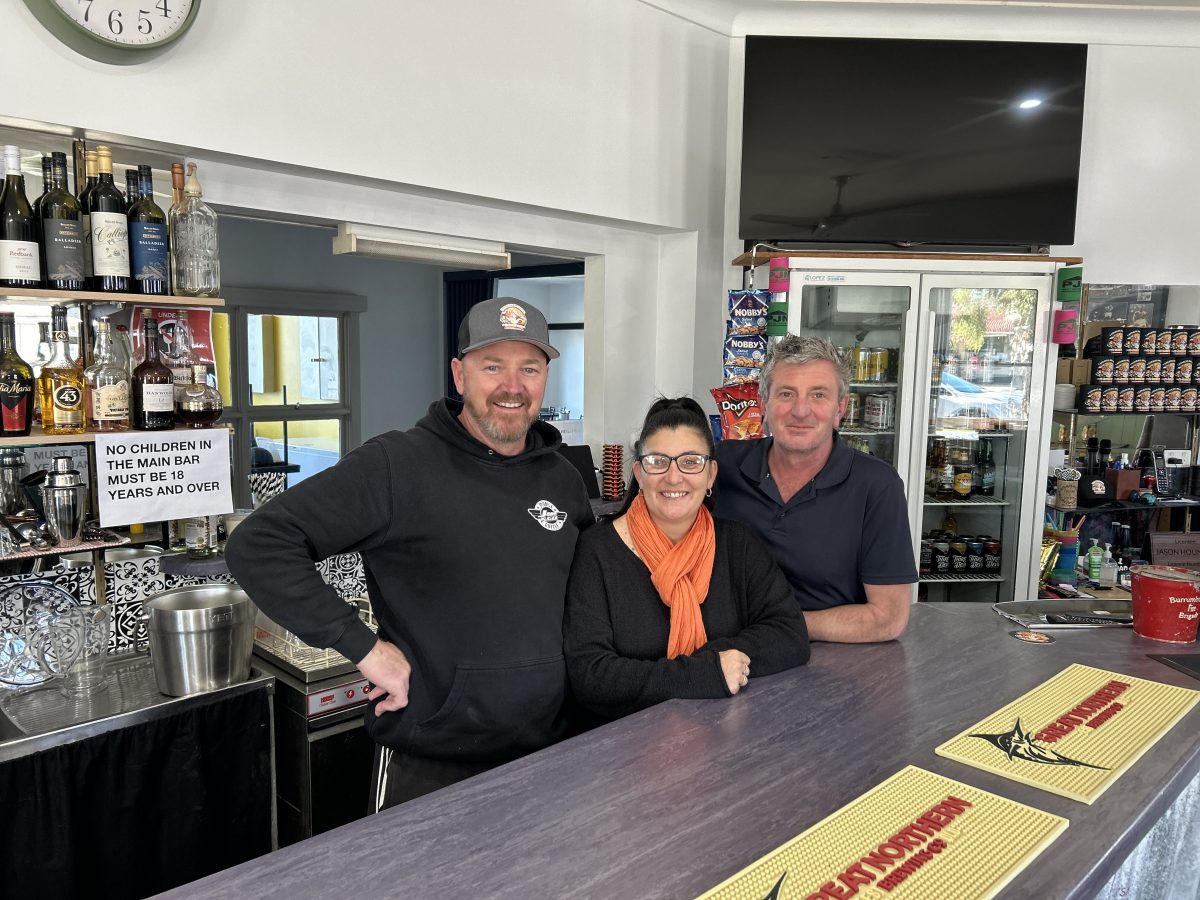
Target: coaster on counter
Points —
{"points": [[1074, 734], [1032, 637], [916, 835]]}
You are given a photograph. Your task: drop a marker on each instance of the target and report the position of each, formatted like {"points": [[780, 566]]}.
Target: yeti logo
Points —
{"points": [[547, 515]]}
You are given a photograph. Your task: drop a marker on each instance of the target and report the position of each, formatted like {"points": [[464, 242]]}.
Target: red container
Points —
{"points": [[1166, 603]]}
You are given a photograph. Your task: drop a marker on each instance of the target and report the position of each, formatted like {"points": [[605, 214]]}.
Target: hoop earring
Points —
{"points": [[708, 493]]}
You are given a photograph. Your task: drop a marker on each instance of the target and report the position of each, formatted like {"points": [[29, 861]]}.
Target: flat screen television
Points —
{"points": [[911, 142]]}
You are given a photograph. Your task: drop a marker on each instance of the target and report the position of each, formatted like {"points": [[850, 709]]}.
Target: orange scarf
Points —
{"points": [[680, 572]]}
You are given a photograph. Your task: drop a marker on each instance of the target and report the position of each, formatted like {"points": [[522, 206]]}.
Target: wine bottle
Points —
{"points": [[62, 234], [133, 188], [16, 383], [148, 238], [47, 183], [61, 384], [110, 230], [90, 170], [107, 384], [153, 387], [195, 255], [20, 261]]}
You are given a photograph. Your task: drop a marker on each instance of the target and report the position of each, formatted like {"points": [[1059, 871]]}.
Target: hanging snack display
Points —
{"points": [[741, 417]]}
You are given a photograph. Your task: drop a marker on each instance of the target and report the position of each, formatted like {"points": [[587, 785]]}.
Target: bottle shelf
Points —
{"points": [[868, 432], [48, 296], [969, 434], [873, 385], [927, 577], [966, 501], [37, 437]]}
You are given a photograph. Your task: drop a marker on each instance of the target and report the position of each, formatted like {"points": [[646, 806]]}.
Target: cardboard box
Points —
{"points": [[1063, 376], [1122, 481], [1081, 371]]}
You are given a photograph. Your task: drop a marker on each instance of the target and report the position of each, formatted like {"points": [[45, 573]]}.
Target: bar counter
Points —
{"points": [[671, 801]]}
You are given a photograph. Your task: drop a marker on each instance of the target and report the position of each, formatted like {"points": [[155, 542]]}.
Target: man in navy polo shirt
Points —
{"points": [[835, 519]]}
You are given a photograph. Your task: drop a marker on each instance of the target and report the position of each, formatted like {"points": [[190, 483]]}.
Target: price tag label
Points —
{"points": [[152, 477]]}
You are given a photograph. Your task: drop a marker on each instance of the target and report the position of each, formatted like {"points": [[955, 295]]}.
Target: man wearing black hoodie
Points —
{"points": [[466, 525]]}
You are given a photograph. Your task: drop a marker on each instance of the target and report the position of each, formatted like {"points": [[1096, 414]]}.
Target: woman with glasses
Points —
{"points": [[664, 601]]}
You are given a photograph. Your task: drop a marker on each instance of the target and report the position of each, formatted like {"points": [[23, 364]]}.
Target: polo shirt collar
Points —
{"points": [[834, 472]]}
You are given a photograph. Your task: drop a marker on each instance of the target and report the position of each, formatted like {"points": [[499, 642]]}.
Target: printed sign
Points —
{"points": [[1173, 549], [145, 476], [916, 835], [1074, 734], [39, 457]]}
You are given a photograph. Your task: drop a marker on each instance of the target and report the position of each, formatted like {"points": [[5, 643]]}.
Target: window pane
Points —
{"points": [[293, 360], [220, 347], [307, 446]]}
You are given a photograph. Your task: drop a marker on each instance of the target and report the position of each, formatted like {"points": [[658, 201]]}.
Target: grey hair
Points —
{"points": [[796, 350]]}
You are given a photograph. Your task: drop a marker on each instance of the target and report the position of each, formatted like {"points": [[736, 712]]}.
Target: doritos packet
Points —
{"points": [[740, 374], [744, 349], [740, 416], [748, 312]]}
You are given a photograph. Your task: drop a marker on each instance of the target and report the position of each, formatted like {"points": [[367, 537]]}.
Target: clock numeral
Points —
{"points": [[114, 22], [142, 20], [161, 6], [88, 10]]}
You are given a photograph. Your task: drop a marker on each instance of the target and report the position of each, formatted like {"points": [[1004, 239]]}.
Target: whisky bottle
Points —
{"points": [[153, 401], [61, 384], [198, 405], [107, 384], [16, 383]]}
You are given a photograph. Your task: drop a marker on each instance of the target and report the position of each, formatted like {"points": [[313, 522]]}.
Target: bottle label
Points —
{"points": [[63, 243], [14, 407], [962, 483], [68, 404], [200, 533], [110, 402], [158, 397], [19, 261], [110, 244], [148, 246]]}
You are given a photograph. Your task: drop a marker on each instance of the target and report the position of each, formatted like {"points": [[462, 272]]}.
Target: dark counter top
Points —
{"points": [[673, 800]]}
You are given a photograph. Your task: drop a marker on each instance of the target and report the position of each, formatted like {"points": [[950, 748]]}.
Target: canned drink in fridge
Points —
{"points": [[991, 555], [878, 364], [861, 358], [853, 416], [874, 411]]}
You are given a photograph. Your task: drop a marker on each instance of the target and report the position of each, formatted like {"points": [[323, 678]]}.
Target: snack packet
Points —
{"points": [[748, 312], [740, 416], [744, 349]]}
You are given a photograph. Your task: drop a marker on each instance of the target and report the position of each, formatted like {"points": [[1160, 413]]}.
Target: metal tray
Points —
{"points": [[1032, 613]]}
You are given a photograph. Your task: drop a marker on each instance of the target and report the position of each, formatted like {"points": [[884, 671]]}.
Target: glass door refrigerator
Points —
{"points": [[872, 317], [975, 464]]}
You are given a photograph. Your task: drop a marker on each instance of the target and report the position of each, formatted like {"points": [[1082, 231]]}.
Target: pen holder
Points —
{"points": [[1068, 555], [1066, 493]]}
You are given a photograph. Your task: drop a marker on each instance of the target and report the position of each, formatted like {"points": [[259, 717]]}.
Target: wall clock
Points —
{"points": [[121, 32]]}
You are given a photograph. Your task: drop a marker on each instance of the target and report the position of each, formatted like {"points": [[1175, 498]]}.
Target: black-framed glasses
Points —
{"points": [[687, 463]]}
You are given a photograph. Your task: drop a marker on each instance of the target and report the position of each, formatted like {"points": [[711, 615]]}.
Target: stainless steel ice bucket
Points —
{"points": [[201, 637]]}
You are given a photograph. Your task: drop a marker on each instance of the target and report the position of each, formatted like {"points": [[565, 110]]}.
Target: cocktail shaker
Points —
{"points": [[64, 500], [12, 470]]}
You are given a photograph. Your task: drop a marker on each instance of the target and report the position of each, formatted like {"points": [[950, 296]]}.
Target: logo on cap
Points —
{"points": [[512, 317]]}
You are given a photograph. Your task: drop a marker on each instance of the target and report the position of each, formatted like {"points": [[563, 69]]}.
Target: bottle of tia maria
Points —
{"points": [[110, 230], [153, 387], [20, 263], [148, 239], [85, 221], [61, 384], [62, 233], [16, 383]]}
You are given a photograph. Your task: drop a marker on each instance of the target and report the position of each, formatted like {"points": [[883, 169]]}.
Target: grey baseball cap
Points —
{"points": [[504, 319]]}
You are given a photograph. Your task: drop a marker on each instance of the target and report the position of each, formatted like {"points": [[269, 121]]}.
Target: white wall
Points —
{"points": [[560, 299], [590, 127]]}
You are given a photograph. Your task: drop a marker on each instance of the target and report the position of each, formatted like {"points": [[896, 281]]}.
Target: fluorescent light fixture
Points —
{"points": [[419, 246], [1031, 103]]}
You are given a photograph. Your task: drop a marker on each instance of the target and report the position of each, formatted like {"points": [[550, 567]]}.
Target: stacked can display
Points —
{"points": [[613, 472], [1144, 370]]}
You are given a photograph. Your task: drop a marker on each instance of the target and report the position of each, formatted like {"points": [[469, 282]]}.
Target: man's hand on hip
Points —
{"points": [[388, 670]]}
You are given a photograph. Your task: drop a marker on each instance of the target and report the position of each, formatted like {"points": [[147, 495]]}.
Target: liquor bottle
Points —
{"points": [[176, 184], [110, 230], [91, 169], [200, 532], [133, 188], [178, 354], [107, 384], [198, 405], [195, 256], [47, 183], [16, 383], [148, 239], [122, 348], [61, 384], [153, 387], [20, 264], [62, 233], [963, 472], [937, 463], [986, 468]]}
